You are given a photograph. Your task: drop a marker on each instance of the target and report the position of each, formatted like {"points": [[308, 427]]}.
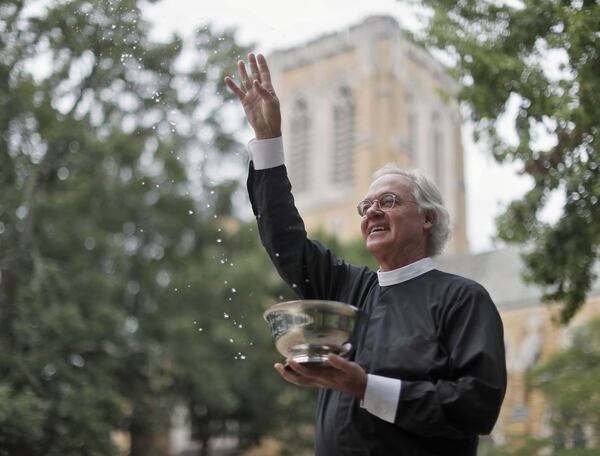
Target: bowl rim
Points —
{"points": [[303, 304]]}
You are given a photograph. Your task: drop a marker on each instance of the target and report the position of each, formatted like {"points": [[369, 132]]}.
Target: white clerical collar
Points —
{"points": [[405, 273]]}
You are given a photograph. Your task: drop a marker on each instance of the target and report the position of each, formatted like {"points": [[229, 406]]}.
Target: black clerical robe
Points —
{"points": [[439, 333]]}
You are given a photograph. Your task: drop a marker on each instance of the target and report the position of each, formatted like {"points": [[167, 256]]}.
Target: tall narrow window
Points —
{"points": [[411, 130], [299, 159], [437, 153], [342, 171]]}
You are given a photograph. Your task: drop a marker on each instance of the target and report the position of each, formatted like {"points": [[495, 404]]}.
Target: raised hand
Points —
{"points": [[258, 98], [339, 374]]}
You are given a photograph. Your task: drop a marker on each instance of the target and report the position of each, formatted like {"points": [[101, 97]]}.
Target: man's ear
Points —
{"points": [[430, 218]]}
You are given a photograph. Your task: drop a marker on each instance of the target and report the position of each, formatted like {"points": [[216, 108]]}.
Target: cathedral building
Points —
{"points": [[355, 101]]}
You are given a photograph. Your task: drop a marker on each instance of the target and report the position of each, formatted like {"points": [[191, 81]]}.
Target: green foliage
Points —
{"points": [[126, 287], [570, 380], [542, 56]]}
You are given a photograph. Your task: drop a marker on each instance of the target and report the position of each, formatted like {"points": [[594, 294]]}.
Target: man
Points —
{"points": [[427, 373]]}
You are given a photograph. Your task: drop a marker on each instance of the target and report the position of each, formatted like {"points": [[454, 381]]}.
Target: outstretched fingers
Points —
{"points": [[244, 75], [254, 67], [263, 68], [234, 88]]}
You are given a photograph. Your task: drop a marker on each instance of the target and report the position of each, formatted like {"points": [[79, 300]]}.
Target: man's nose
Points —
{"points": [[374, 209]]}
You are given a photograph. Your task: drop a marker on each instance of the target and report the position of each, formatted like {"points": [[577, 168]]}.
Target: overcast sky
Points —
{"points": [[275, 24]]}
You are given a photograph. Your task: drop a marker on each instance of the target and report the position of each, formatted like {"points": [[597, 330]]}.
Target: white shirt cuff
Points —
{"points": [[382, 396], [266, 153]]}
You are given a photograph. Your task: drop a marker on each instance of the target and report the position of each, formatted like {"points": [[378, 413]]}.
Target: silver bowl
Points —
{"points": [[307, 330]]}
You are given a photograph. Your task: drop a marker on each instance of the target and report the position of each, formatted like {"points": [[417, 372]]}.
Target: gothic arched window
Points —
{"points": [[436, 150], [342, 165], [298, 163]]}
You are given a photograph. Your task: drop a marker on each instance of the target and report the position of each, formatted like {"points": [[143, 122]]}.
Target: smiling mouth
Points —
{"points": [[377, 229]]}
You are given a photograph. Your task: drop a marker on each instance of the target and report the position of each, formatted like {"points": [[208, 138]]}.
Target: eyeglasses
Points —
{"points": [[385, 202]]}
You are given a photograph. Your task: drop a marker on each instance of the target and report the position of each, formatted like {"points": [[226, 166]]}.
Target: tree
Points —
{"points": [[544, 57], [569, 382], [115, 256]]}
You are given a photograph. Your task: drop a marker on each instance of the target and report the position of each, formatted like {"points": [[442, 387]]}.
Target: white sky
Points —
{"points": [[275, 24]]}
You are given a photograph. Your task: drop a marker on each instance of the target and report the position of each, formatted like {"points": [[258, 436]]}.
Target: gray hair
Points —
{"points": [[429, 199]]}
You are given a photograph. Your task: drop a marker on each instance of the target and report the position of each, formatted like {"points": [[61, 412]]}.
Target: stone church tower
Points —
{"points": [[356, 100]]}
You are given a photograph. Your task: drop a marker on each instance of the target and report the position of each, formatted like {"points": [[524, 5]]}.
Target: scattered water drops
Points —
{"points": [[62, 173], [89, 243], [77, 360]]}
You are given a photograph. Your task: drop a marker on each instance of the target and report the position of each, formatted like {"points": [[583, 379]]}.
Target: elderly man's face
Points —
{"points": [[396, 237]]}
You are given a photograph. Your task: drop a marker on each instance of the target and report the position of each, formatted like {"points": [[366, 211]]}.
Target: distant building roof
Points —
{"points": [[501, 273]]}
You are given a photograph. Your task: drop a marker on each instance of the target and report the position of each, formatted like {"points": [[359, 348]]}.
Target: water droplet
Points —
{"points": [[233, 290], [294, 285], [240, 326], [242, 356], [63, 173], [277, 255], [190, 212], [200, 329], [231, 340], [219, 240], [225, 315]]}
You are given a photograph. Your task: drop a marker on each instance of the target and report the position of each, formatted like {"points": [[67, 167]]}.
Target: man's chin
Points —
{"points": [[376, 246]]}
